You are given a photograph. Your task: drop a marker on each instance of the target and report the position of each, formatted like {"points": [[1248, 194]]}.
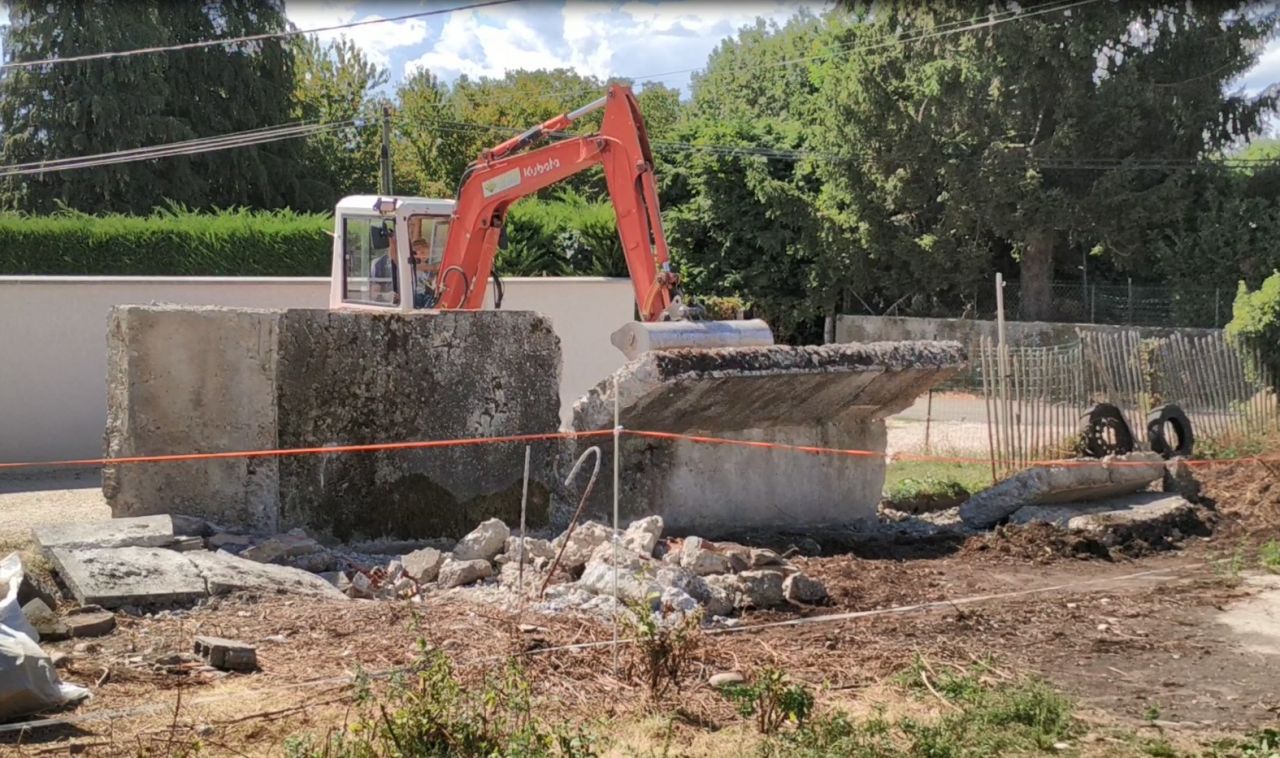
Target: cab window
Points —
{"points": [[369, 271], [427, 238]]}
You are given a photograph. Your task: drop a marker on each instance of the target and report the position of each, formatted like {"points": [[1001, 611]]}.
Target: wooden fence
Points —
{"points": [[1037, 396]]}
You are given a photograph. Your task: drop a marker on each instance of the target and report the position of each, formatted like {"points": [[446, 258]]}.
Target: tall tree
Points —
{"points": [[1049, 133], [337, 83], [66, 110]]}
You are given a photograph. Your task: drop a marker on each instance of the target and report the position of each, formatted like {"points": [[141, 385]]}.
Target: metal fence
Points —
{"points": [[1126, 304], [1036, 396]]}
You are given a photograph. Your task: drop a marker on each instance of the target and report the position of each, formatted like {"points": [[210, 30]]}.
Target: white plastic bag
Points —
{"points": [[28, 681]]}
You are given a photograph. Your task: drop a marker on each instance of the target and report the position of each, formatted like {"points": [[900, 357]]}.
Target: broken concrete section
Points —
{"points": [[1079, 482], [227, 654], [830, 396], [140, 531], [187, 379], [147, 577], [1152, 517]]}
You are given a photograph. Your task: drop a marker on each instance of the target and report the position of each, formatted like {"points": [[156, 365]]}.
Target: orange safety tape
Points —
{"points": [[307, 450], [1051, 462]]}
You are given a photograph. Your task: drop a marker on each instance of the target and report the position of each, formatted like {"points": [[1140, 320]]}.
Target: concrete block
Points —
{"points": [[423, 565], [224, 379], [224, 573], [141, 576], [45, 621], [458, 573], [228, 654], [832, 396], [141, 531], [90, 621], [1086, 481], [484, 542]]}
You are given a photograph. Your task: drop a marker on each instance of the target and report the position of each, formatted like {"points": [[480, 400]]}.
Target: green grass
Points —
{"points": [[985, 715], [1269, 556], [927, 483]]}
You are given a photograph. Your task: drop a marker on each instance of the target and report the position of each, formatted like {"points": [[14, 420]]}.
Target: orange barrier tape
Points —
{"points": [[307, 450], [700, 439], [1052, 462]]}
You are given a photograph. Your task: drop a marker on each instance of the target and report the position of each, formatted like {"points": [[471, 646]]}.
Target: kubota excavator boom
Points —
{"points": [[449, 262]]}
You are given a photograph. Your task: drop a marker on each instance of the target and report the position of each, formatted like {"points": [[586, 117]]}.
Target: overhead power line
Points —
{"points": [[247, 38], [186, 147]]}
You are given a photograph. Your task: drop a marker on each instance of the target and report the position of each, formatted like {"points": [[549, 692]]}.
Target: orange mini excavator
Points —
{"points": [[410, 253]]}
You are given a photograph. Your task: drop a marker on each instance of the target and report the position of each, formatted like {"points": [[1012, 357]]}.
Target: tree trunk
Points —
{"points": [[1036, 277]]}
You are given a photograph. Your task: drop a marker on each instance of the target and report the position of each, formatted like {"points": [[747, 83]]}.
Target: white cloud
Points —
{"points": [[376, 40], [1265, 73], [601, 39]]}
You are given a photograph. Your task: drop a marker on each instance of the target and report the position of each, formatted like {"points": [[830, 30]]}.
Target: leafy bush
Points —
{"points": [[772, 700], [170, 242], [1255, 324], [567, 235]]}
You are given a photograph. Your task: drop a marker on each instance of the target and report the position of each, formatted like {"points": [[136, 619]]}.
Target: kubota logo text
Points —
{"points": [[541, 168]]}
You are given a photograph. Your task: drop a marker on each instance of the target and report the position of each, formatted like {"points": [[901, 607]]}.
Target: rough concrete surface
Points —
{"points": [[222, 379], [144, 576], [831, 396], [139, 531], [1102, 514], [1085, 481]]}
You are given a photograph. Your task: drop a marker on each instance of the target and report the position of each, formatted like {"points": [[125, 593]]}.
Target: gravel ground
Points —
{"points": [[58, 498]]}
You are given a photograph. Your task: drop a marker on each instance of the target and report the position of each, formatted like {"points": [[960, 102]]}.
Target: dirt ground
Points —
{"points": [[1182, 643]]}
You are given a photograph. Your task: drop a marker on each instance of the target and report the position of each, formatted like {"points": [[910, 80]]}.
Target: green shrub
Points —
{"points": [[1255, 325], [170, 242]]}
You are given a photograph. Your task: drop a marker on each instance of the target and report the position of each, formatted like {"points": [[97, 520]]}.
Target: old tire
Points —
{"points": [[1103, 432], [1164, 418]]}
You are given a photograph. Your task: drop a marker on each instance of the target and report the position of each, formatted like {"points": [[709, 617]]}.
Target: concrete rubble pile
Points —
{"points": [[144, 563], [718, 578]]}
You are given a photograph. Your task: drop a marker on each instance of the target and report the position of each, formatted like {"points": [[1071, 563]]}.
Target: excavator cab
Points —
{"points": [[387, 252]]}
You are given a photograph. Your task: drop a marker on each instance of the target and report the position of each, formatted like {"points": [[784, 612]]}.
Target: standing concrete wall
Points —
{"points": [[226, 379]]}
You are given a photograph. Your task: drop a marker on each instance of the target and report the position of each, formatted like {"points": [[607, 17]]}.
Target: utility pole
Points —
{"points": [[386, 151]]}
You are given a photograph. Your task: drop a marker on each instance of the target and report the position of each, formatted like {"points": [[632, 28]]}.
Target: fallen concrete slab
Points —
{"points": [[225, 573], [829, 396], [1100, 513], [120, 576], [139, 531], [149, 577], [1078, 483]]}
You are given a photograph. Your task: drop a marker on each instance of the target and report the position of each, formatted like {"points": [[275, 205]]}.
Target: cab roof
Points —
{"points": [[367, 204]]}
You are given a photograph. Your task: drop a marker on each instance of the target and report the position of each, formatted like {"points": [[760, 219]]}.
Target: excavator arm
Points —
{"points": [[504, 175]]}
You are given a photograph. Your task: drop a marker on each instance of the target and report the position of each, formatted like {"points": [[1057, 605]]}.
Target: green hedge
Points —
{"points": [[171, 242]]}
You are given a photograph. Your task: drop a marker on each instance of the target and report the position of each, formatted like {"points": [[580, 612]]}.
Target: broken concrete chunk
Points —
{"points": [[230, 655], [633, 587], [395, 570], [1083, 481], [45, 621], [582, 543], [404, 587], [288, 545], [611, 555], [224, 573], [696, 556], [726, 679], [642, 536], [313, 562], [483, 543], [90, 621], [138, 531], [456, 573], [423, 565], [185, 544], [533, 548], [337, 578], [675, 600], [361, 586], [798, 588], [751, 589], [141, 576]]}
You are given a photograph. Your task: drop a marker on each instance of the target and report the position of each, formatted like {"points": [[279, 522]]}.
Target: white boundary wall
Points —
{"points": [[53, 342]]}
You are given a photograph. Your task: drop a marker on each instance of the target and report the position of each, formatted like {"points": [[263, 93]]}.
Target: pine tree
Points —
{"points": [[67, 110]]}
